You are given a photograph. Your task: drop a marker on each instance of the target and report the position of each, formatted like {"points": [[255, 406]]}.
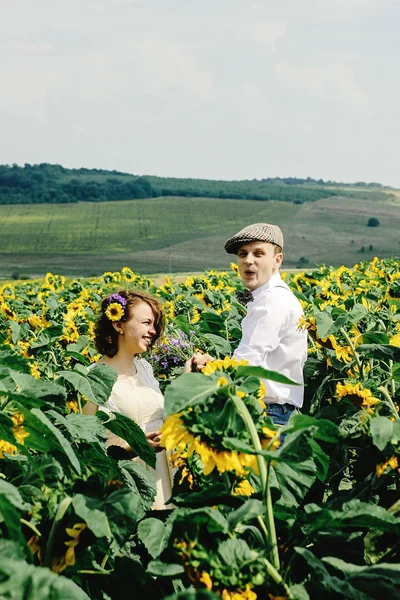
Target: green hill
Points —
{"points": [[171, 234]]}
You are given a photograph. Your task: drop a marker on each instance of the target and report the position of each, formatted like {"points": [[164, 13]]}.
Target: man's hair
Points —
{"points": [[277, 249]]}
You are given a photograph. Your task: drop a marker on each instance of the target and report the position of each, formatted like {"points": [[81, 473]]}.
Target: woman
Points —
{"points": [[129, 323]]}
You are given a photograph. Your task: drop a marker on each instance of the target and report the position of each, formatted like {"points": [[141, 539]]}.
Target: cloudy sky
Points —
{"points": [[221, 89]]}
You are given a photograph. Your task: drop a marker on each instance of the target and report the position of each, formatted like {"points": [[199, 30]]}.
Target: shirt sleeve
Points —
{"points": [[262, 331]]}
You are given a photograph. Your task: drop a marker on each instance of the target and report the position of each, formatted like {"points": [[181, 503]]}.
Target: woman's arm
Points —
{"points": [[90, 408]]}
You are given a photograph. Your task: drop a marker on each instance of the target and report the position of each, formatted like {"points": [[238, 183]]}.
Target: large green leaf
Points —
{"points": [[324, 323], [242, 371], [160, 569], [321, 429], [11, 504], [322, 581], [188, 390], [95, 384], [82, 428], [140, 480], [47, 336], [152, 532], [219, 344], [381, 429], [354, 514], [33, 392], [102, 378], [292, 481], [321, 459], [129, 431], [191, 594], [61, 439], [248, 511], [380, 351], [91, 510], [123, 508], [21, 581], [375, 581]]}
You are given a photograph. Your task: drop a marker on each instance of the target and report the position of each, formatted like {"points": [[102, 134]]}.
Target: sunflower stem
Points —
{"points": [[387, 397], [353, 349], [264, 476]]}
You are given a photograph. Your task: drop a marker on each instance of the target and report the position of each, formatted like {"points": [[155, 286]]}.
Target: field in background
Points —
{"points": [[186, 234]]}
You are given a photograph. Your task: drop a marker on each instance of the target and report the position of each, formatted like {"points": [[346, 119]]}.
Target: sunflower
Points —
{"points": [[114, 311], [359, 396]]}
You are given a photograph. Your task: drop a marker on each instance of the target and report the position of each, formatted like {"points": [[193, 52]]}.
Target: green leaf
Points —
{"points": [[249, 510], [139, 479], [354, 514], [160, 569], [321, 459], [91, 510], [191, 594], [34, 392], [95, 384], [357, 313], [263, 374], [219, 344], [321, 429], [152, 532], [381, 429], [375, 581], [188, 390], [82, 428], [129, 431], [293, 482], [102, 378], [379, 351], [396, 372], [324, 323], [21, 580], [124, 509], [10, 505], [16, 331], [375, 337], [47, 336], [217, 493], [62, 440], [299, 592], [323, 581]]}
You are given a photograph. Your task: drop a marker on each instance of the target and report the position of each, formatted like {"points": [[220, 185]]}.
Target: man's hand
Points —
{"points": [[199, 361], [154, 439]]}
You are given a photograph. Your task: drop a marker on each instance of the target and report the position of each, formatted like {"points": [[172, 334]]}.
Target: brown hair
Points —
{"points": [[106, 336], [277, 249]]}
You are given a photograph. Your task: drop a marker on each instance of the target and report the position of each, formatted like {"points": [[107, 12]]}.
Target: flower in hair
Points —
{"points": [[114, 311], [118, 298]]}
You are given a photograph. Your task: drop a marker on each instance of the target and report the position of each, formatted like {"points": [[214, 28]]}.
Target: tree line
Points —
{"points": [[47, 183]]}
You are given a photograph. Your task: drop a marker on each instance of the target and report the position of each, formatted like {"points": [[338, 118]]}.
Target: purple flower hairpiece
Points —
{"points": [[117, 298]]}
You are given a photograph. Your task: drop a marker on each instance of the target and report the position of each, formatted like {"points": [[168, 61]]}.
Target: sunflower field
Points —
{"points": [[301, 512]]}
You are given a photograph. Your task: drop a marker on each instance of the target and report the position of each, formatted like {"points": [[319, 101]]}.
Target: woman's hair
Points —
{"points": [[106, 336]]}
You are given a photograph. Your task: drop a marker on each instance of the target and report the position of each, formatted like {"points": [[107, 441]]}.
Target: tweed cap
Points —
{"points": [[258, 232]]}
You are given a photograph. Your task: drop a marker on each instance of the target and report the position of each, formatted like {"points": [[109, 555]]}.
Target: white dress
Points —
{"points": [[139, 397]]}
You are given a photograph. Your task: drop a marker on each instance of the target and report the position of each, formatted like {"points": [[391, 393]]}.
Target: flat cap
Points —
{"points": [[258, 232]]}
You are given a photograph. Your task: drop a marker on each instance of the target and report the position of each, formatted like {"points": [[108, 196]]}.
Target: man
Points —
{"points": [[271, 337]]}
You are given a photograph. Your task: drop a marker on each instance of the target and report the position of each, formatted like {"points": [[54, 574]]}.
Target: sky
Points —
{"points": [[218, 89]]}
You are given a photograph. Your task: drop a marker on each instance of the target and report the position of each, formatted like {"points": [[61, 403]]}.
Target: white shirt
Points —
{"points": [[271, 339]]}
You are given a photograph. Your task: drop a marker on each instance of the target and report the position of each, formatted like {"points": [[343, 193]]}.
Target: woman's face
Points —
{"points": [[137, 333]]}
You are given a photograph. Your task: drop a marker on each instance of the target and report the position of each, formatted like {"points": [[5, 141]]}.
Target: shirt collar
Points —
{"points": [[272, 282]]}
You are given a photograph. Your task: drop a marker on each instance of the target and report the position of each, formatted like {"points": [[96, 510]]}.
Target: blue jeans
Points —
{"points": [[280, 413]]}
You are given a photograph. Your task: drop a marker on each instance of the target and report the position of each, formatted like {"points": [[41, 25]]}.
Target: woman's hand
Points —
{"points": [[154, 439]]}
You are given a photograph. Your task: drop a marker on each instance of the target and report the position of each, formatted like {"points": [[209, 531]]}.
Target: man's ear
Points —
{"points": [[278, 260]]}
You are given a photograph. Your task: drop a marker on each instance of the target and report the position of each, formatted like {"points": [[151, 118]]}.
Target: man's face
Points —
{"points": [[257, 263]]}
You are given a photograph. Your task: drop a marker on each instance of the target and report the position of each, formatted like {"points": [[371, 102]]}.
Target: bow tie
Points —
{"points": [[244, 297]]}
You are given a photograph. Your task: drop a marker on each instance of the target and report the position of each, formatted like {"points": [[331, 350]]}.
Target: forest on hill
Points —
{"points": [[53, 184]]}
